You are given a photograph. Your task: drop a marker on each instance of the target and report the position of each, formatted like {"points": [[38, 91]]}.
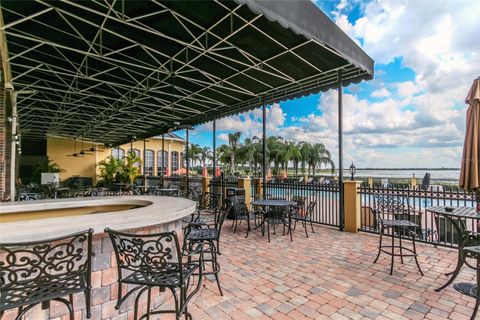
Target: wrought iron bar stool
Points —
{"points": [[38, 272], [154, 260], [199, 233], [396, 206], [470, 289]]}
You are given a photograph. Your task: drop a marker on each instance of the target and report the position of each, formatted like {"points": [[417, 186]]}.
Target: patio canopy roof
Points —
{"points": [[109, 70]]}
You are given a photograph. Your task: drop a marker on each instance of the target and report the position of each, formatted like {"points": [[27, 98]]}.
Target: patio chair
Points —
{"points": [[401, 223], [209, 201], [446, 232], [304, 217], [198, 233], [43, 271], [242, 213], [471, 257], [145, 261], [278, 216]]}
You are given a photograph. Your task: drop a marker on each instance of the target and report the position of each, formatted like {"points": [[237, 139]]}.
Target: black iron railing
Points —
{"points": [[433, 228], [326, 196], [218, 185]]}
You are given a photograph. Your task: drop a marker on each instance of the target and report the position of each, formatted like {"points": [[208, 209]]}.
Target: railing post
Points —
{"points": [[258, 186], [370, 182], [205, 184], [352, 206], [413, 182], [246, 183]]}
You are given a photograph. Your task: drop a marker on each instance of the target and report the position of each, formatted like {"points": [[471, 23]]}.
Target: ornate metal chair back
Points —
{"points": [[238, 205], [386, 204], [311, 208], [146, 253], [34, 272]]}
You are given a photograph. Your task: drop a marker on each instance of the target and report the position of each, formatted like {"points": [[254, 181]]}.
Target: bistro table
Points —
{"points": [[141, 189], [267, 204], [466, 238], [172, 192]]}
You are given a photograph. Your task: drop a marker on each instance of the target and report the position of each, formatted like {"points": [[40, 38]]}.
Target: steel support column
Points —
{"points": [[187, 190], [144, 166], [340, 150], [264, 140], [214, 142], [163, 161]]}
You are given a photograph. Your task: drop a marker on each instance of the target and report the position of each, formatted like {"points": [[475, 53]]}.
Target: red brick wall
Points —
{"points": [[104, 287]]}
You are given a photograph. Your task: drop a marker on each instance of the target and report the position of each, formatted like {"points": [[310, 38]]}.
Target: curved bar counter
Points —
{"points": [[44, 219]]}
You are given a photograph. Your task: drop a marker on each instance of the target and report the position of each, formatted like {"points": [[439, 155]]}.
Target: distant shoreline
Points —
{"points": [[398, 169]]}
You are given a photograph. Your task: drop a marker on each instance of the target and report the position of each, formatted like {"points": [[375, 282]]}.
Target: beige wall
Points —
{"points": [[59, 148]]}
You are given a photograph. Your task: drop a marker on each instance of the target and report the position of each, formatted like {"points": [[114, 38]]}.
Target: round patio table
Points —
{"points": [[457, 217], [267, 203], [167, 192]]}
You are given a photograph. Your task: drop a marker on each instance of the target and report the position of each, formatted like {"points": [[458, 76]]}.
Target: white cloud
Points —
{"points": [[223, 137], [381, 93], [434, 38]]}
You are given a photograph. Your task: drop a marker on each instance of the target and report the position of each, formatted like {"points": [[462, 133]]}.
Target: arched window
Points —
{"points": [[175, 164], [118, 153], [149, 162], [162, 162], [137, 153]]}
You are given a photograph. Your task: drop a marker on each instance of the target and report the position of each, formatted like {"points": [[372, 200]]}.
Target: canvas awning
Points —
{"points": [[110, 70]]}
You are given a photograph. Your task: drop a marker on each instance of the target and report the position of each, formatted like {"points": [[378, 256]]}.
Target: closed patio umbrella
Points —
{"points": [[204, 171], [470, 173]]}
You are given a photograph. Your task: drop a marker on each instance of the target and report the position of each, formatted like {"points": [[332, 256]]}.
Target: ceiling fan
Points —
{"points": [[82, 151], [75, 154], [93, 148]]}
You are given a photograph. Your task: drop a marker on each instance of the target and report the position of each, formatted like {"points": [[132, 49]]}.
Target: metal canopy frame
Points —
{"points": [[109, 70]]}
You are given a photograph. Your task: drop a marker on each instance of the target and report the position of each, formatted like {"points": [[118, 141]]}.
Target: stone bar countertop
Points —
{"points": [[152, 210]]}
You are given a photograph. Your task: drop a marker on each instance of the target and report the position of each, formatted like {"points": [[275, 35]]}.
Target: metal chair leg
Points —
{"points": [[400, 231], [380, 245], [415, 256], [393, 251]]}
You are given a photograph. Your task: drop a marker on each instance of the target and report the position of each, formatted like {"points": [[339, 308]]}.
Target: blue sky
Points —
{"points": [[412, 114]]}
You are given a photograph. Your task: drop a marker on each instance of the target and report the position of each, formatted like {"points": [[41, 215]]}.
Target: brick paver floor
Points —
{"points": [[330, 275]]}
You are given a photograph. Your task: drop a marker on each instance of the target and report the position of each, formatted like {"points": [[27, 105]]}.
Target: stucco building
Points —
{"points": [[60, 151]]}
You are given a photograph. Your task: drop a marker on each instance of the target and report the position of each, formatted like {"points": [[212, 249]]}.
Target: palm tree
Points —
{"points": [[234, 142], [319, 155], [131, 166], [194, 154], [295, 154], [305, 151], [205, 153], [225, 155], [108, 168]]}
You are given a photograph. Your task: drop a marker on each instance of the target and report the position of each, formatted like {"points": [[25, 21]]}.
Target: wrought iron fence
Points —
{"points": [[327, 197], [432, 228], [219, 185]]}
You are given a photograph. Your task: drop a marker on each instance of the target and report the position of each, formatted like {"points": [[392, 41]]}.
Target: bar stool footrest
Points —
{"points": [[468, 289]]}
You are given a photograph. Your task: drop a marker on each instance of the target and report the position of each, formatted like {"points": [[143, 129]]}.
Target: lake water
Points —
{"points": [[437, 175]]}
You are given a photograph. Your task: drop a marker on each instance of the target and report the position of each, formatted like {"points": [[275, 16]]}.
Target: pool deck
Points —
{"points": [[330, 275]]}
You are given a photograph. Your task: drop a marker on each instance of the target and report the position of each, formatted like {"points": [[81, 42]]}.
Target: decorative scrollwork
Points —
{"points": [[146, 253], [39, 271]]}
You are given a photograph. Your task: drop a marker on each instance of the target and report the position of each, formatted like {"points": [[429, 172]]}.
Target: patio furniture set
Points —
{"points": [[393, 213], [36, 273], [272, 212]]}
